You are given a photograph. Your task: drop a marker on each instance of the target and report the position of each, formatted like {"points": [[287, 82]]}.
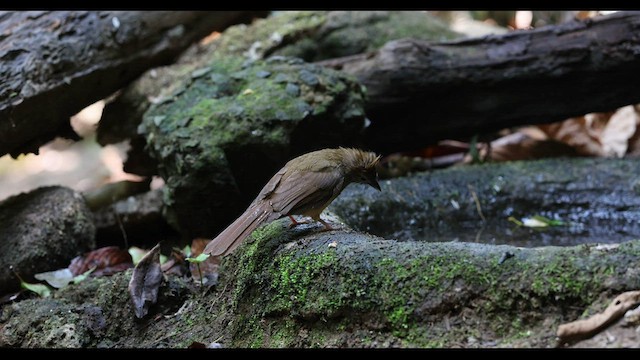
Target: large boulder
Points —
{"points": [[221, 136]]}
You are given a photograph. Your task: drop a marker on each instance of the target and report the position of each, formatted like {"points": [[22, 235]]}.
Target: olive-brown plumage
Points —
{"points": [[306, 185]]}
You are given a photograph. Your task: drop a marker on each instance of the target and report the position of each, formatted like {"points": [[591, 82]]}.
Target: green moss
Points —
{"points": [[353, 32], [396, 290], [251, 259], [262, 35], [291, 281]]}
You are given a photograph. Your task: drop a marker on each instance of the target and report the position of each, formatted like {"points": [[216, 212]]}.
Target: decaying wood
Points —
{"points": [[54, 63], [420, 92], [586, 328]]}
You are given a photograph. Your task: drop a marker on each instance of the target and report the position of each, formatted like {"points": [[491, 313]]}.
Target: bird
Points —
{"points": [[306, 185]]}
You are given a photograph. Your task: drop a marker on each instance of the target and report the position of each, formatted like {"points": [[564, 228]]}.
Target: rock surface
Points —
{"points": [[42, 230], [598, 200]]}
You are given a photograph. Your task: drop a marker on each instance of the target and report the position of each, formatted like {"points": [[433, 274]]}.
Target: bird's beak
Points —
{"points": [[374, 183]]}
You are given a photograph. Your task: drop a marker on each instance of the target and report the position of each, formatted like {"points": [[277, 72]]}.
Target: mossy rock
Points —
{"points": [[221, 136], [94, 313]]}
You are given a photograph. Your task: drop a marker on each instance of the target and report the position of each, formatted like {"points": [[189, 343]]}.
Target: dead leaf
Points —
{"points": [[175, 264], [581, 133], [633, 148], [597, 134], [618, 131], [197, 246], [525, 144], [106, 261], [145, 282]]}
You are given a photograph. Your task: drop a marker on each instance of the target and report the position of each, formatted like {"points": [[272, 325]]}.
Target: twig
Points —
{"points": [[477, 201], [586, 328], [479, 233], [218, 298], [124, 233]]}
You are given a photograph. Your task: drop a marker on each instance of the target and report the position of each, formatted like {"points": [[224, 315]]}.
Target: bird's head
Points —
{"points": [[361, 166]]}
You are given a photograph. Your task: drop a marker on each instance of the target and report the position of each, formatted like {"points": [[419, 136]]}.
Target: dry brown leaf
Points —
{"points": [[145, 282], [523, 145], [579, 133], [175, 264], [634, 142], [620, 128], [170, 266], [597, 134], [106, 261], [198, 245]]}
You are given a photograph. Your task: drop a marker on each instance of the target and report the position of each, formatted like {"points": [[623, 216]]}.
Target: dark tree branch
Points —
{"points": [[52, 64]]}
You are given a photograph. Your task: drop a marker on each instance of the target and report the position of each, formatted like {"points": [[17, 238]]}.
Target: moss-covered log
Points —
{"points": [[305, 288], [421, 92], [346, 289], [54, 63]]}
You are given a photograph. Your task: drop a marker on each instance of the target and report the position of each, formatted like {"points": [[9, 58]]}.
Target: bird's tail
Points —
{"points": [[231, 237]]}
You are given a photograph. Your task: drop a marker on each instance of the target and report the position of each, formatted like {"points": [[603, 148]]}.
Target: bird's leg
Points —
{"points": [[294, 223], [326, 224]]}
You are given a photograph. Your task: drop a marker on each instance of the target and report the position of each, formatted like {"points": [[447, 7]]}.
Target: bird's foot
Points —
{"points": [[295, 223], [327, 227]]}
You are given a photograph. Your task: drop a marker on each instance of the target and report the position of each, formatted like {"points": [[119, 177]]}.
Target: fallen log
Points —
{"points": [[421, 92], [54, 63]]}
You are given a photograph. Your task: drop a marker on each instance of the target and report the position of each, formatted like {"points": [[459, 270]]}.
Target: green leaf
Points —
{"points": [[532, 222], [136, 254], [83, 276], [548, 221], [40, 289], [515, 221], [198, 259], [187, 250]]}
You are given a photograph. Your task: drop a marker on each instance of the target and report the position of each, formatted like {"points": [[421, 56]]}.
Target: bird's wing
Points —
{"points": [[304, 189], [271, 185]]}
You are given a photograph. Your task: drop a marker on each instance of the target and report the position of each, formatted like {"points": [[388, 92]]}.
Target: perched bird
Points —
{"points": [[306, 185]]}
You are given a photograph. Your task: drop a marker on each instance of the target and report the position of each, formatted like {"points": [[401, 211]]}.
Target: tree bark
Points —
{"points": [[421, 92], [55, 63]]}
